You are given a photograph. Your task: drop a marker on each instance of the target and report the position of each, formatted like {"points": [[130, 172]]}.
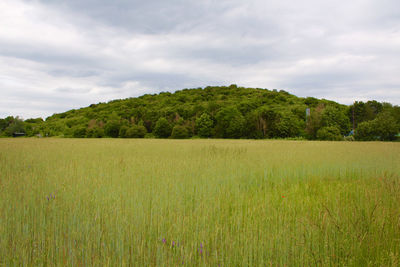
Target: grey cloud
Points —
{"points": [[73, 90], [100, 50]]}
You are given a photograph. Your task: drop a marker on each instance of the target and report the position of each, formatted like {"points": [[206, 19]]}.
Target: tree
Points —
{"points": [[242, 113], [79, 132], [179, 132], [230, 123], [365, 131], [204, 125], [384, 127], [95, 132], [16, 125], [111, 128], [333, 117], [254, 126], [162, 128], [362, 111], [136, 131], [3, 124], [122, 131], [314, 122], [288, 125], [331, 133]]}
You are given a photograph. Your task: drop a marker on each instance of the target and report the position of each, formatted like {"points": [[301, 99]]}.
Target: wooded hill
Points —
{"points": [[218, 112]]}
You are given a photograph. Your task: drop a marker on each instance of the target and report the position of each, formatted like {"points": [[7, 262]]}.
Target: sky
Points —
{"points": [[56, 55]]}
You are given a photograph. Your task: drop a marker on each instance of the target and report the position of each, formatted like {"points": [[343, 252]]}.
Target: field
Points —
{"points": [[82, 202]]}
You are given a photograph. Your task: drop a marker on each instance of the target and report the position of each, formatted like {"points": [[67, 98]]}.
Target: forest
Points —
{"points": [[218, 112]]}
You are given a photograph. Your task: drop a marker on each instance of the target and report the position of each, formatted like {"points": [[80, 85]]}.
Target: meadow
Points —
{"points": [[153, 202]]}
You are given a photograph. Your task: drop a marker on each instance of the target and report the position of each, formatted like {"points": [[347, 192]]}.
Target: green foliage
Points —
{"points": [[364, 111], [212, 112], [123, 130], [288, 125], [329, 133], [204, 125], [384, 128], [230, 123], [37, 120], [79, 132], [334, 117], [136, 131], [179, 132], [111, 128], [14, 125], [95, 132], [3, 124], [314, 122], [162, 128], [366, 132]]}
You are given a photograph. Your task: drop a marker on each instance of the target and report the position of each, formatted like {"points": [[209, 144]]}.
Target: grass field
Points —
{"points": [[82, 202]]}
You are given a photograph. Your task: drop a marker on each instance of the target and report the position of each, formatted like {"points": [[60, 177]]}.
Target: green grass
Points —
{"points": [[83, 202]]}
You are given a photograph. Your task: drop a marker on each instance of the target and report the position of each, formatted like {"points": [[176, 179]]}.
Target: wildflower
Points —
{"points": [[164, 240]]}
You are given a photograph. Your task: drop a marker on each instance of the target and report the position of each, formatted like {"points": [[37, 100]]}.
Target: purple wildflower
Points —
{"points": [[164, 240], [173, 243]]}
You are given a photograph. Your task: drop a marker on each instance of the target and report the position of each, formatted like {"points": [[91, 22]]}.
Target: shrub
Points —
{"points": [[122, 131], [204, 125], [136, 131], [79, 132], [112, 128], [162, 128], [331, 133], [179, 132], [384, 127], [95, 132]]}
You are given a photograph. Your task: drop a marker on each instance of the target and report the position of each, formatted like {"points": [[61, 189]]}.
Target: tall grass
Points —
{"points": [[199, 203]]}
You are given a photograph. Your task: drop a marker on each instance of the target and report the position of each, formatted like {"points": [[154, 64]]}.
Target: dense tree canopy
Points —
{"points": [[218, 112]]}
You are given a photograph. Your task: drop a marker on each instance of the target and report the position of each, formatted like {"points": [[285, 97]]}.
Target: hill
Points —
{"points": [[218, 112]]}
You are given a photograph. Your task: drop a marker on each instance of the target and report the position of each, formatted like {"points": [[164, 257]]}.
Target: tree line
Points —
{"points": [[218, 112]]}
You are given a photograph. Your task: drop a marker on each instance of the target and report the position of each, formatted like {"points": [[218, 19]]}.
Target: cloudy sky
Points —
{"points": [[56, 55]]}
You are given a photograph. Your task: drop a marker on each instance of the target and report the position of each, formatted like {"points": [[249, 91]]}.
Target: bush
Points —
{"points": [[112, 128], [162, 128], [179, 132], [136, 131], [331, 133], [95, 132], [79, 132], [384, 127], [204, 125], [122, 131]]}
